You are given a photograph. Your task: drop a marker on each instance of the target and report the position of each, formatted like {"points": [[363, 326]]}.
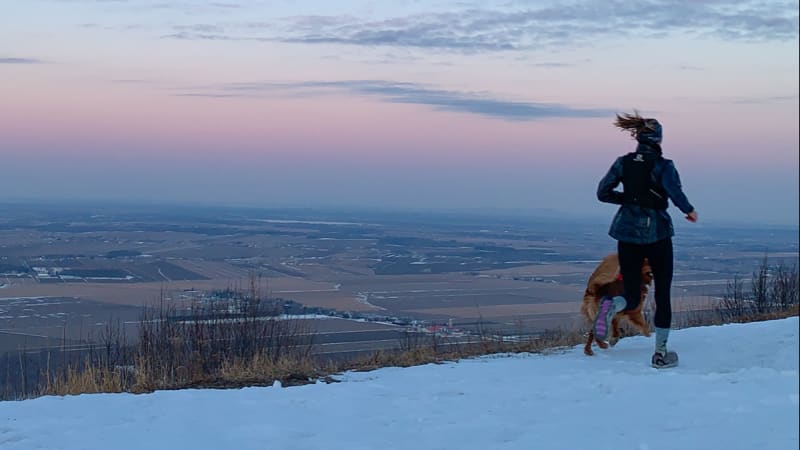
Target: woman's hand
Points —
{"points": [[692, 216]]}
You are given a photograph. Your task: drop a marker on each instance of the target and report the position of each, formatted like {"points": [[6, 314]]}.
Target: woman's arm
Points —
{"points": [[672, 184], [605, 190]]}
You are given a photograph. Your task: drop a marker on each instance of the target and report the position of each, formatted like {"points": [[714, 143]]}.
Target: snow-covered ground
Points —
{"points": [[736, 388]]}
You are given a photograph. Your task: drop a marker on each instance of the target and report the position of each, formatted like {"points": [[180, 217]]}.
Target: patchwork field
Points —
{"points": [[527, 272]]}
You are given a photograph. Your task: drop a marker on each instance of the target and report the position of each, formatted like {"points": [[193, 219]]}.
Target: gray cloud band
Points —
{"points": [[408, 93], [481, 30], [20, 61]]}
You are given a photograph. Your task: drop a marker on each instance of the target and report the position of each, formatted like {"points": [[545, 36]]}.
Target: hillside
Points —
{"points": [[736, 388]]}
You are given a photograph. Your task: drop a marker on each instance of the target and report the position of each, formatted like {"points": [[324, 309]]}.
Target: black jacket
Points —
{"points": [[637, 224]]}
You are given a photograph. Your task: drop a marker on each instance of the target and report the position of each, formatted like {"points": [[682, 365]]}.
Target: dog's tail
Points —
{"points": [[589, 305]]}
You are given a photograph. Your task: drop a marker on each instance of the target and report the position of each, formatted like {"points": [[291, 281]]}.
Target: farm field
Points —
{"points": [[76, 268]]}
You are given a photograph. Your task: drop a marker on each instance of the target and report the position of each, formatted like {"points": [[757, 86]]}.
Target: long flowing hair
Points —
{"points": [[634, 123]]}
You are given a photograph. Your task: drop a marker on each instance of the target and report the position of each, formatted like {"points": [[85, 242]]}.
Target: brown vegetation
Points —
{"points": [[246, 344]]}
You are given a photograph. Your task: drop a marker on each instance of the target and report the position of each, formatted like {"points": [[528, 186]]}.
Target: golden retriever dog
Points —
{"points": [[607, 281]]}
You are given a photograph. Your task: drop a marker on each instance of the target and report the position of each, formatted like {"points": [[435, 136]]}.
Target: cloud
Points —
{"points": [[767, 99], [134, 81], [689, 67], [473, 27], [741, 100], [408, 93], [193, 35], [200, 28], [226, 5], [520, 26], [436, 31], [5, 60]]}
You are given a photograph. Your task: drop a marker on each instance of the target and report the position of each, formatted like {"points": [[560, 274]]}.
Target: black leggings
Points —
{"points": [[659, 254]]}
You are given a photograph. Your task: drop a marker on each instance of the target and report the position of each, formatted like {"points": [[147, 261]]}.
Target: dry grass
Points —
{"points": [[261, 369], [549, 341], [790, 311], [86, 380], [211, 350]]}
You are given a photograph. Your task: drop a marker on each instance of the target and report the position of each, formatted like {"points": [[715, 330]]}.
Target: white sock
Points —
{"points": [[662, 334]]}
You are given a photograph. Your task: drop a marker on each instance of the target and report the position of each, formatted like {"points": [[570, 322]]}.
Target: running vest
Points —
{"points": [[639, 186]]}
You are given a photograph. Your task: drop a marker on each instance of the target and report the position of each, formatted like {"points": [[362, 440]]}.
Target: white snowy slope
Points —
{"points": [[736, 388]]}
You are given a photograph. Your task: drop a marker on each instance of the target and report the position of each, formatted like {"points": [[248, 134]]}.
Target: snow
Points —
{"points": [[736, 388]]}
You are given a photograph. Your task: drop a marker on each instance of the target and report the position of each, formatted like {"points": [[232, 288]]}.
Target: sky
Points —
{"points": [[735, 388], [403, 104]]}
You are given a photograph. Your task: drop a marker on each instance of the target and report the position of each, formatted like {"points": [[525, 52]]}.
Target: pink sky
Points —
{"points": [[108, 101]]}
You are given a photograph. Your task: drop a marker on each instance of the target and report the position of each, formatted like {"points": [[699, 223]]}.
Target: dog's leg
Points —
{"points": [[639, 322], [587, 349], [614, 332]]}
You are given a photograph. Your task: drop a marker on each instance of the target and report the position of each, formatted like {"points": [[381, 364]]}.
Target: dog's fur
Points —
{"points": [[605, 281]]}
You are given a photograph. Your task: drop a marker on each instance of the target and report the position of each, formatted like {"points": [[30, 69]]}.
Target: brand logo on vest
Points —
{"points": [[639, 158]]}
